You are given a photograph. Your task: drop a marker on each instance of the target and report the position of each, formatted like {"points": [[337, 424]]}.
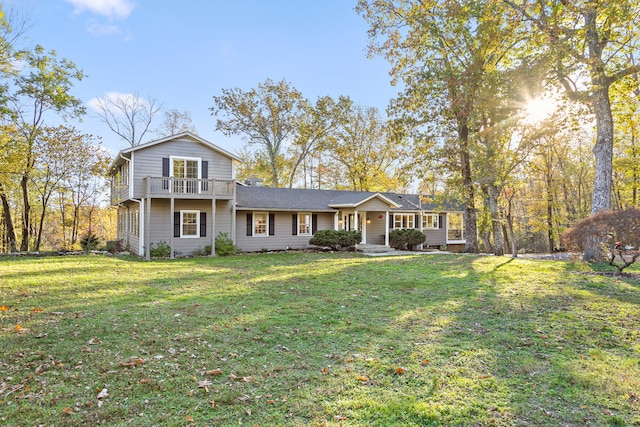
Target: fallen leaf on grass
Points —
{"points": [[325, 371], [188, 419], [271, 402], [37, 310], [3, 308], [399, 370], [214, 372], [94, 341], [482, 377], [67, 411], [425, 362], [132, 361], [363, 378], [204, 383]]}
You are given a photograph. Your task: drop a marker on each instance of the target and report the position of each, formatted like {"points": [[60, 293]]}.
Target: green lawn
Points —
{"points": [[317, 339]]}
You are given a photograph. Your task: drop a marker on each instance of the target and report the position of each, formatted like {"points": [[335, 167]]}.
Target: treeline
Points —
{"points": [[51, 177]]}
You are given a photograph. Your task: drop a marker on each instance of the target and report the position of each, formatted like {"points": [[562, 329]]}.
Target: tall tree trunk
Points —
{"points": [[470, 215], [498, 242], [8, 220], [514, 249], [26, 213]]}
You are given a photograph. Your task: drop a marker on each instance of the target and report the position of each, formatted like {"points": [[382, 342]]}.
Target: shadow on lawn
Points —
{"points": [[332, 339]]}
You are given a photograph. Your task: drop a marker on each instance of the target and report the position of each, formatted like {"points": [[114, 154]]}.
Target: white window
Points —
{"points": [[186, 172], [404, 221], [430, 221], [133, 222], [455, 228], [189, 223], [304, 224], [260, 224]]}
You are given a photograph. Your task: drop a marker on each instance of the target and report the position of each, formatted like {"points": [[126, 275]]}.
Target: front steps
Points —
{"points": [[374, 249]]}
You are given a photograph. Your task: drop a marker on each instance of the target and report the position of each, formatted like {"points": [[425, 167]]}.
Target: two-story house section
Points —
{"points": [[177, 191]]}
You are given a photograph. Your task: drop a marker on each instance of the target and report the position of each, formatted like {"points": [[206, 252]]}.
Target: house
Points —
{"points": [[181, 191]]}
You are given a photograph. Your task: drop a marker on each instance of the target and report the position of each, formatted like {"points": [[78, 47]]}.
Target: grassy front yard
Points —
{"points": [[317, 339]]}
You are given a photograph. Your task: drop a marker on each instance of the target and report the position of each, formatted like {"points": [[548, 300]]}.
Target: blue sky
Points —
{"points": [[183, 53]]}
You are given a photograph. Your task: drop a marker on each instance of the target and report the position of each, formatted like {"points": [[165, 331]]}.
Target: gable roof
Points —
{"points": [[297, 199], [182, 135]]}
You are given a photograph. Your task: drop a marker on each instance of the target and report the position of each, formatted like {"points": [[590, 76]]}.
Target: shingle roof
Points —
{"points": [[298, 199]]}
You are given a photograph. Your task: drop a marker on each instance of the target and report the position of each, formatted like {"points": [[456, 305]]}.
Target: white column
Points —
{"points": [[171, 209], [213, 226], [147, 229], [386, 229], [364, 228]]}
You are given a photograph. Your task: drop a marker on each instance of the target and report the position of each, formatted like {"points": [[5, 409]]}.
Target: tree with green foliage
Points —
{"points": [[43, 86], [362, 147], [446, 53], [588, 46], [266, 116]]}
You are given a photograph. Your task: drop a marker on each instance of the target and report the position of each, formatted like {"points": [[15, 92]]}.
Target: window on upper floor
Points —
{"points": [[187, 172]]}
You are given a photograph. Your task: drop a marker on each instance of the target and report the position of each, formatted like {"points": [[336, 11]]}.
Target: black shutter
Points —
{"points": [[391, 220], [314, 223], [294, 224], [416, 223], [165, 173], [440, 221], [176, 224], [249, 224], [203, 224], [272, 224], [205, 174], [205, 169]]}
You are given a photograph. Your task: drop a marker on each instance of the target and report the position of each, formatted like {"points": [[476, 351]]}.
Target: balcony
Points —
{"points": [[189, 188], [119, 192]]}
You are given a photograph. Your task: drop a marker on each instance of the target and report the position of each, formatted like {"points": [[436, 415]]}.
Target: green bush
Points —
{"points": [[89, 242], [406, 238], [335, 239], [163, 250], [224, 245]]}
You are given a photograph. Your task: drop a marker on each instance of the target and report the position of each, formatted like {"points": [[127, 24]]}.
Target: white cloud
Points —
{"points": [[96, 29], [119, 9]]}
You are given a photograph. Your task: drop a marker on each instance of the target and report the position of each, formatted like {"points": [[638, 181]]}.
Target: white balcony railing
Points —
{"points": [[189, 187]]}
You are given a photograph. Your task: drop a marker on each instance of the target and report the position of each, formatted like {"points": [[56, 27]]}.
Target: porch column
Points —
{"points": [[335, 221], [171, 209], [141, 227], [147, 230], [386, 229], [364, 228], [233, 220], [213, 226]]}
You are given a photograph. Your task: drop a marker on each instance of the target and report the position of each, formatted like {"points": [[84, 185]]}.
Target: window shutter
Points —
{"points": [[440, 221], [294, 224], [165, 173], [416, 222], [176, 224], [203, 224], [272, 224], [314, 223], [249, 224], [204, 174], [390, 220], [165, 167], [205, 169]]}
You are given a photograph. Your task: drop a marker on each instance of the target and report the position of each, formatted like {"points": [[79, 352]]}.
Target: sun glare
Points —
{"points": [[537, 110]]}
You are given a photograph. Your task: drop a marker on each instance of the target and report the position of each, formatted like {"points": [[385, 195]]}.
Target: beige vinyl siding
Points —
{"points": [[148, 161], [123, 233], [162, 223], [376, 229], [282, 238], [374, 204], [436, 237]]}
